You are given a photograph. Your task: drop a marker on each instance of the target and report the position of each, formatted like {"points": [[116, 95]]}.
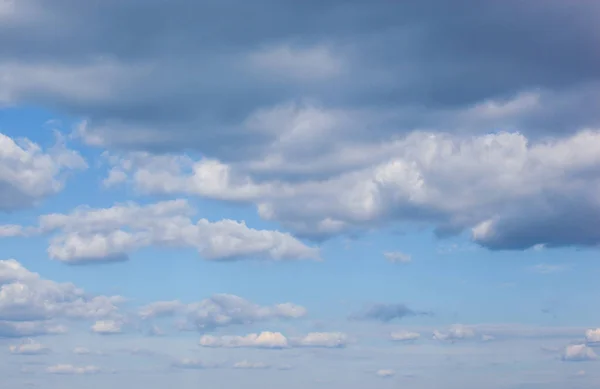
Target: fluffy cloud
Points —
{"points": [[18, 329], [276, 340], [29, 174], [397, 257], [359, 135], [70, 369], [404, 336], [245, 364], [25, 296], [221, 310], [385, 312], [29, 348], [385, 373], [106, 327], [592, 336], [90, 235], [454, 333], [578, 352], [420, 179]]}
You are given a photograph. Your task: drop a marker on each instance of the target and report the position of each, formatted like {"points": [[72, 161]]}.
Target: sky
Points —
{"points": [[301, 194]]}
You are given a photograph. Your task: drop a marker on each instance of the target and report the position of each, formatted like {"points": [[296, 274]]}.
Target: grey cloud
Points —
{"points": [[28, 302], [386, 312], [303, 103], [220, 310]]}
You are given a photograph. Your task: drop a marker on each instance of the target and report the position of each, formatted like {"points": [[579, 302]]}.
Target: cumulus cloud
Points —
{"points": [[220, 310], [454, 333], [30, 174], [26, 297], [404, 336], [276, 340], [385, 312], [192, 364], [578, 353], [72, 370], [19, 329], [397, 257], [419, 178], [29, 347], [106, 327], [359, 135], [592, 336], [90, 235]]}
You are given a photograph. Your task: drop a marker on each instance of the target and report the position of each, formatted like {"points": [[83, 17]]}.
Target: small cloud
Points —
{"points": [[251, 365], [385, 373], [456, 332], [72, 370], [544, 268], [86, 351], [592, 336], [106, 327], [29, 348], [397, 257], [578, 353], [193, 364], [276, 340], [404, 336], [487, 338]]}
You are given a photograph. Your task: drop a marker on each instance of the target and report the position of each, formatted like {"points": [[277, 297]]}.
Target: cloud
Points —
{"points": [[26, 297], [220, 310], [385, 312], [276, 340], [106, 327], [404, 336], [29, 174], [72, 370], [454, 333], [86, 351], [192, 364], [89, 235], [385, 373], [19, 329], [543, 268], [245, 364], [592, 336], [29, 347], [360, 135], [578, 352], [397, 257]]}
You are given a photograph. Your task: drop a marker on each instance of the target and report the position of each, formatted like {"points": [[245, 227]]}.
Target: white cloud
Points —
{"points": [[456, 332], [106, 327], [90, 235], [25, 296], [404, 336], [29, 347], [269, 340], [70, 369], [29, 174], [579, 352], [420, 178], [245, 364], [86, 351], [385, 373], [592, 335], [276, 340], [220, 310], [18, 329], [397, 257]]}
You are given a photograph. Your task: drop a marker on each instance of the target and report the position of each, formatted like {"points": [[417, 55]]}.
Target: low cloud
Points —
{"points": [[276, 340], [29, 347], [386, 312], [578, 353]]}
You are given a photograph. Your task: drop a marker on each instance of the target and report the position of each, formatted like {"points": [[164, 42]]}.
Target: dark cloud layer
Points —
{"points": [[386, 312]]}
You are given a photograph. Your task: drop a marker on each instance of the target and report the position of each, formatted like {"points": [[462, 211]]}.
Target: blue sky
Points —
{"points": [[335, 194]]}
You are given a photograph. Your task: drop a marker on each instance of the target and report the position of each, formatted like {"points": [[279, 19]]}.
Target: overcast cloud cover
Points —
{"points": [[299, 193]]}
